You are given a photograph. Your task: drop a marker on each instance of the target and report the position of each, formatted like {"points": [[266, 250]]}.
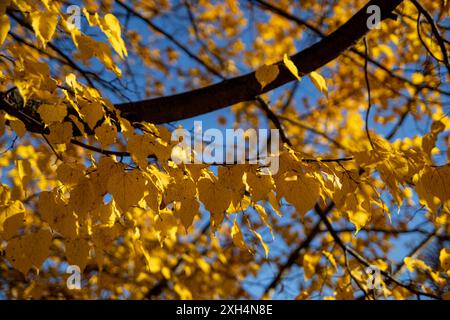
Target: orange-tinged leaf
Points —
{"points": [[44, 25], [77, 252], [29, 250], [52, 113], [266, 74], [9, 210], [60, 133], [106, 133]]}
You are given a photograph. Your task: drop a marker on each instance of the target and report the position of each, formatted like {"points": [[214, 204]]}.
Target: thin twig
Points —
{"points": [[369, 97], [436, 33], [51, 147]]}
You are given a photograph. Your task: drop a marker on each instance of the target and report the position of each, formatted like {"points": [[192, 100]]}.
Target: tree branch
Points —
{"points": [[246, 87], [435, 31]]}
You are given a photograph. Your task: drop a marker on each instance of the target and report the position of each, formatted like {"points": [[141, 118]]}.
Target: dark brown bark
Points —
{"points": [[246, 88]]}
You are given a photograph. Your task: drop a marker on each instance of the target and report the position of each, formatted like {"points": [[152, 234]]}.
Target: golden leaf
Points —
{"points": [[127, 188], [266, 74], [291, 66], [319, 82], [4, 27]]}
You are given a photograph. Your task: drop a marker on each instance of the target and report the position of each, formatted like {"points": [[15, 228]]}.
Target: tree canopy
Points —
{"points": [[92, 91]]}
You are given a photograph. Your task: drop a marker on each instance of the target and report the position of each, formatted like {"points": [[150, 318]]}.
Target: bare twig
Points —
{"points": [[369, 96], [437, 35]]}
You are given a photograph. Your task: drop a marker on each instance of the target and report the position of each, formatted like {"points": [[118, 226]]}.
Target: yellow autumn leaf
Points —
{"points": [[274, 202], [154, 264], [113, 32], [432, 185], [319, 82], [110, 26], [182, 291], [9, 210], [44, 25], [55, 211], [260, 185], [106, 214], [330, 258], [166, 225], [291, 66], [413, 264], [261, 240], [240, 205], [103, 53], [140, 147], [19, 127], [264, 217], [300, 190], [25, 174], [11, 225], [4, 27], [186, 211], [60, 133], [215, 197], [266, 74], [203, 265], [381, 264], [84, 198], [417, 78], [70, 174], [77, 252], [444, 258], [52, 113], [310, 261], [29, 250], [233, 5], [127, 188], [71, 80], [104, 236], [359, 218], [92, 112], [106, 133], [236, 235]]}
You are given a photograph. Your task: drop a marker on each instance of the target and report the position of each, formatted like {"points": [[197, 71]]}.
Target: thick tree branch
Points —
{"points": [[246, 87]]}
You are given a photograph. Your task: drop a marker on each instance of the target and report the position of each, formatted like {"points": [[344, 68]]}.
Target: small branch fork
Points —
{"points": [[440, 40], [365, 262]]}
